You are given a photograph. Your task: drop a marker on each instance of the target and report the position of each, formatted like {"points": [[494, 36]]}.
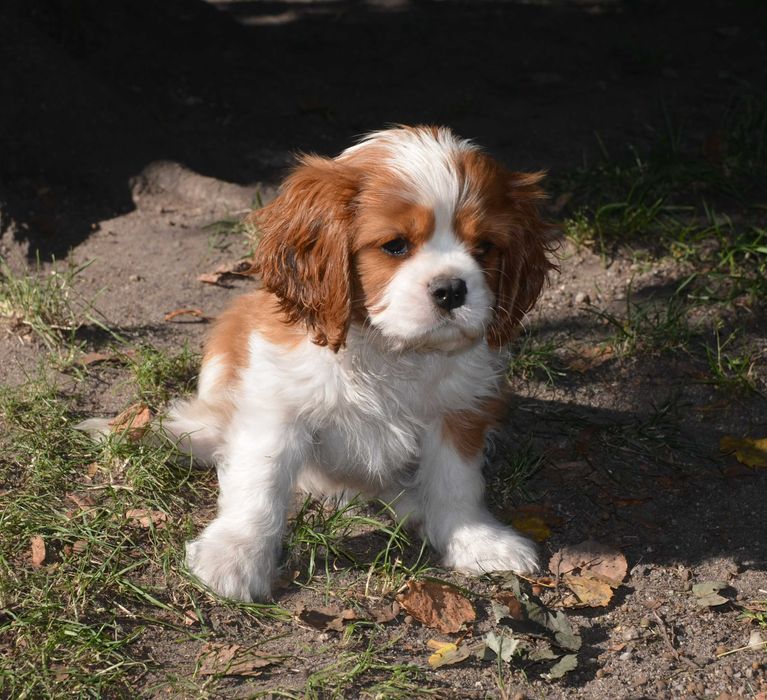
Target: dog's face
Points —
{"points": [[414, 232]]}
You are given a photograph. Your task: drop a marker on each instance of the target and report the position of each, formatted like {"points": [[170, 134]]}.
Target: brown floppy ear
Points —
{"points": [[303, 256], [524, 263]]}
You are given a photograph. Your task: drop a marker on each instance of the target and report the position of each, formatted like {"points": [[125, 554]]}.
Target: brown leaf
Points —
{"points": [[385, 614], [591, 559], [325, 619], [437, 605], [589, 592], [37, 551], [196, 313], [134, 421], [588, 358], [144, 517], [241, 268], [190, 618], [511, 602], [83, 500], [216, 659], [94, 358]]}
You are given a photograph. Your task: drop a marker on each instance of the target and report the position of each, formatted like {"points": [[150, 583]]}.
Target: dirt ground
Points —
{"points": [[128, 131]]}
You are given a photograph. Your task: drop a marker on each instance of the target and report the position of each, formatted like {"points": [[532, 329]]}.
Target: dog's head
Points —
{"points": [[413, 231]]}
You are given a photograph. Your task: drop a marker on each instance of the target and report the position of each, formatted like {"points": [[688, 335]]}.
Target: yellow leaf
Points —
{"points": [[446, 653], [749, 451], [590, 592], [533, 526]]}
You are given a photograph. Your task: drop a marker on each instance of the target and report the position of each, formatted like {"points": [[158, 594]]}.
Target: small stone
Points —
{"points": [[645, 622], [582, 298], [135, 278], [408, 619], [601, 673], [640, 679], [626, 655], [630, 633]]}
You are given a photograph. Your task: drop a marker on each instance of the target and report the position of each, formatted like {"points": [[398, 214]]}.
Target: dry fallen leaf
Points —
{"points": [[216, 659], [241, 268], [591, 559], [588, 358], [589, 592], [749, 451], [533, 526], [325, 619], [437, 605], [196, 313], [706, 594], [446, 653], [37, 550], [144, 517], [94, 358], [506, 605], [134, 421]]}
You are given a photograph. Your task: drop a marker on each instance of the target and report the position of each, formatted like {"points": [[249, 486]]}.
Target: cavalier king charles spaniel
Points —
{"points": [[369, 361]]}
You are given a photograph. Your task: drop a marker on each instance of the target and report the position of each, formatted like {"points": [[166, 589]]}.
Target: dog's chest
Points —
{"points": [[381, 407]]}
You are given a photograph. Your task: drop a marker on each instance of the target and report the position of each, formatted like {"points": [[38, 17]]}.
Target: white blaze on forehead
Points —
{"points": [[426, 161]]}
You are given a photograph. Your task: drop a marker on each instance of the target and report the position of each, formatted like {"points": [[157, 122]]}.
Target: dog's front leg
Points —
{"points": [[453, 514], [237, 554]]}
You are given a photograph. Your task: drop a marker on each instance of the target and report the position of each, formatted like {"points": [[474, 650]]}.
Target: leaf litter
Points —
{"points": [[437, 605], [219, 659], [591, 571], [749, 451]]}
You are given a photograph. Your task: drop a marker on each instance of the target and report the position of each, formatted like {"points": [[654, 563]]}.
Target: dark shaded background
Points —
{"points": [[91, 92]]}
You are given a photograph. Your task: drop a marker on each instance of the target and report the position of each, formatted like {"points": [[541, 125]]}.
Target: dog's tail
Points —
{"points": [[194, 426]]}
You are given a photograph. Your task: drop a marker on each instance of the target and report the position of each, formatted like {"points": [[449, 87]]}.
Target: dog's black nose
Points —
{"points": [[448, 293]]}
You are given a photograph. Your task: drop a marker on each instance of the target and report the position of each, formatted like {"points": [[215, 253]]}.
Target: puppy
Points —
{"points": [[369, 360]]}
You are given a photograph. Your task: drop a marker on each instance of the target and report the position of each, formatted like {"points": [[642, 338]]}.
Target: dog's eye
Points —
{"points": [[397, 247], [482, 248]]}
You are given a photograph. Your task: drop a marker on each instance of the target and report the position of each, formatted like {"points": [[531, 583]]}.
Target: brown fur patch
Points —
{"points": [[503, 211], [304, 253], [466, 430], [259, 312], [380, 221]]}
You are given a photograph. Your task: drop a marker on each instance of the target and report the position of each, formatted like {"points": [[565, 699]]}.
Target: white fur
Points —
{"points": [[367, 419]]}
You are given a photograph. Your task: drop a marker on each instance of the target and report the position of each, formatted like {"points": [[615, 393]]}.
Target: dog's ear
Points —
{"points": [[303, 256], [524, 263]]}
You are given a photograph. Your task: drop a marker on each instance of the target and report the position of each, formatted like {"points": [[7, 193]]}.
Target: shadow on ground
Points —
{"points": [[94, 92]]}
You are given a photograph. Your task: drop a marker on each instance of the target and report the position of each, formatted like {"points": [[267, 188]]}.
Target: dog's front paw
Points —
{"points": [[482, 548], [229, 564]]}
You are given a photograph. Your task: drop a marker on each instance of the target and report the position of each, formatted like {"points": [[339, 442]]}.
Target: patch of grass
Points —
{"points": [[510, 471], [367, 673], [532, 357], [758, 617], [222, 233], [322, 535], [45, 304], [650, 326], [69, 625], [158, 376], [659, 200], [730, 369]]}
